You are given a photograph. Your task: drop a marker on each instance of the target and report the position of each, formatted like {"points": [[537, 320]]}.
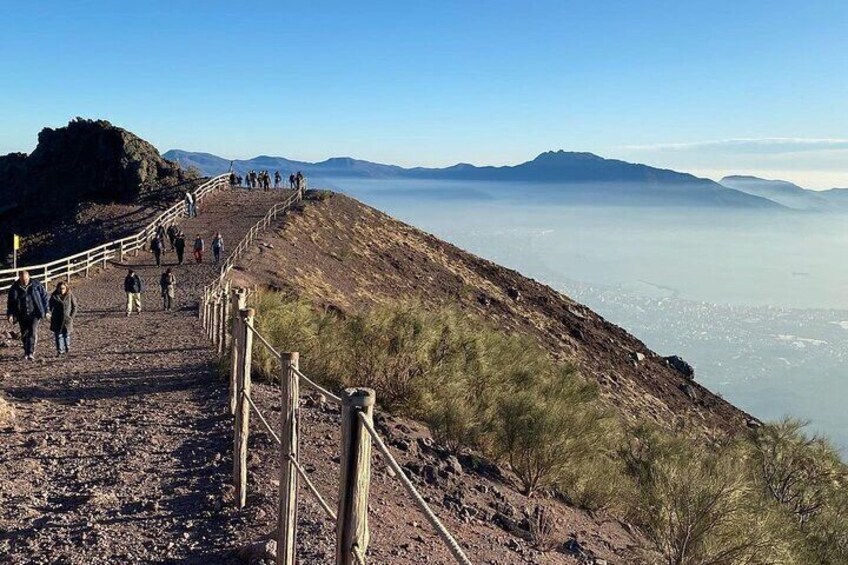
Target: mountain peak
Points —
{"points": [[561, 156]]}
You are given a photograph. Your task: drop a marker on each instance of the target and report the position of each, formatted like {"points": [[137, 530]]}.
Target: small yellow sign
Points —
{"points": [[16, 242]]}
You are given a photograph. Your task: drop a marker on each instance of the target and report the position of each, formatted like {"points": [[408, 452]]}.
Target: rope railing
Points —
{"points": [[358, 432], [366, 422], [262, 419], [443, 533], [99, 255], [311, 487], [306, 380]]}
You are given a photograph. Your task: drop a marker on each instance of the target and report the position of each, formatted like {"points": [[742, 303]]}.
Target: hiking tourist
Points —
{"points": [[198, 248], [133, 287], [277, 178], [217, 246], [27, 303], [291, 181], [300, 182], [157, 246], [63, 308], [179, 246], [172, 235], [188, 204], [232, 178], [168, 282], [160, 231]]}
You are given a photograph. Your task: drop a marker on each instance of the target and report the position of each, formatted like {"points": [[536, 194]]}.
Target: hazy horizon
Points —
{"points": [[764, 326]]}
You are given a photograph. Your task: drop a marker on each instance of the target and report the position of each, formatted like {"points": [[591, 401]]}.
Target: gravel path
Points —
{"points": [[120, 452]]}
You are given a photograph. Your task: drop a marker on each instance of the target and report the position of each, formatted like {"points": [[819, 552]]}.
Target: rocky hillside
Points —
{"points": [[347, 256], [89, 179]]}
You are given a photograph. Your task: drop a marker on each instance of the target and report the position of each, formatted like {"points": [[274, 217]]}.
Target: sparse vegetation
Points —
{"points": [[541, 521], [776, 497]]}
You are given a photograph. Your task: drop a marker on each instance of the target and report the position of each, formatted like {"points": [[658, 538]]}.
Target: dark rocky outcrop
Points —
{"points": [[86, 160], [88, 163]]}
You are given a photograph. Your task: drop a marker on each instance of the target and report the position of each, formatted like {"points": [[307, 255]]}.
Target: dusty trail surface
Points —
{"points": [[120, 452]]}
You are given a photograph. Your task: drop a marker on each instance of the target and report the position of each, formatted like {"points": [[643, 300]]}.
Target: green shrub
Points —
{"points": [[541, 429], [806, 477], [474, 386], [700, 507]]}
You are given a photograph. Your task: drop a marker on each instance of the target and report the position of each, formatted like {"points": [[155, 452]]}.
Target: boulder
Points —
{"points": [[681, 366], [259, 552]]}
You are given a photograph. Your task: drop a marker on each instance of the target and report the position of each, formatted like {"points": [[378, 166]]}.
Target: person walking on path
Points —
{"points": [[168, 282], [217, 246], [191, 205], [27, 304], [300, 182], [160, 231], [179, 246], [133, 287], [63, 308], [277, 178], [198, 249], [157, 246], [172, 235]]}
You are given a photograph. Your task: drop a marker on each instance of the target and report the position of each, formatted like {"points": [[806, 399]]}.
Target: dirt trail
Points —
{"points": [[119, 453]]}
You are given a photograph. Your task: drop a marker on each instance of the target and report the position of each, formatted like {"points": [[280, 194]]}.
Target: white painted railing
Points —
{"points": [[84, 261]]}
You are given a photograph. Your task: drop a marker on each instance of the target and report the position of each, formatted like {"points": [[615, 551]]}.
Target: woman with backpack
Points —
{"points": [[168, 284], [63, 308]]}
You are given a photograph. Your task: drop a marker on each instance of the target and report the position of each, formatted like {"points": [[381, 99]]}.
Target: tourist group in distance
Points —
{"points": [[262, 179], [28, 302]]}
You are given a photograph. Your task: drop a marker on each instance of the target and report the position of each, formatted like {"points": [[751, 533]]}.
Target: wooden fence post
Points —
{"points": [[239, 303], [242, 420], [225, 311], [354, 477], [213, 319], [287, 509], [87, 262]]}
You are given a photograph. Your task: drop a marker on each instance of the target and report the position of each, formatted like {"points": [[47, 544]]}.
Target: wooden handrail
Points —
{"points": [[63, 266]]}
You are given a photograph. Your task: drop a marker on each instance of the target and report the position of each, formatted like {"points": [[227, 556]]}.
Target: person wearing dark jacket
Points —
{"points": [[133, 287], [168, 284], [28, 304], [179, 246], [63, 308], [157, 246], [172, 235]]}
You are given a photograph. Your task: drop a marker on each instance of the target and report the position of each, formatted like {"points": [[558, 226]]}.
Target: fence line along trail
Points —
{"points": [[120, 452]]}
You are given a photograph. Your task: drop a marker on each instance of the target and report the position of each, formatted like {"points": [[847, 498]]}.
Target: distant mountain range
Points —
{"points": [[789, 194], [582, 177]]}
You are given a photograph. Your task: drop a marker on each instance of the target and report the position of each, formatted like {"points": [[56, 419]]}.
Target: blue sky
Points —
{"points": [[710, 87]]}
